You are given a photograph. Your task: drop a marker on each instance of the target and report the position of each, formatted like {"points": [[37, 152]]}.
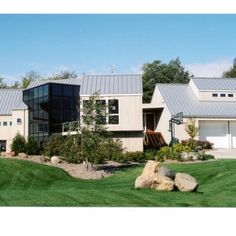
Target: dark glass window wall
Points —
{"points": [[49, 106]]}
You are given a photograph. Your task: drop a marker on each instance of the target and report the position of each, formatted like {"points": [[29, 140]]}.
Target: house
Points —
{"points": [[52, 103], [210, 101], [13, 117]]}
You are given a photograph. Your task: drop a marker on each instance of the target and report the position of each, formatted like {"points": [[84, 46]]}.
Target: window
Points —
{"points": [[214, 95], [19, 121], [10, 123], [222, 94], [230, 95], [113, 110], [113, 106], [4, 123], [101, 111], [0, 123]]}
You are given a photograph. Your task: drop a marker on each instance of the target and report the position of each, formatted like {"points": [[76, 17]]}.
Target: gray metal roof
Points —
{"points": [[181, 98], [103, 84], [215, 83], [11, 99]]}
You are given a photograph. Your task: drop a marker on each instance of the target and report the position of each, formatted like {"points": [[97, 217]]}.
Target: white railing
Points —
{"points": [[69, 128]]}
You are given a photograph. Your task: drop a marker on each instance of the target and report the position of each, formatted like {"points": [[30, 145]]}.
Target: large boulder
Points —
{"points": [[55, 160], [145, 179], [143, 182], [162, 183], [185, 182], [166, 172], [22, 155], [150, 168]]}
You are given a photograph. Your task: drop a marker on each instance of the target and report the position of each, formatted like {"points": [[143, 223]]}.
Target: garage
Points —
{"points": [[216, 132], [233, 133]]}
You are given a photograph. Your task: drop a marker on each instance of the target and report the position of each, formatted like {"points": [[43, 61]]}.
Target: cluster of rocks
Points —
{"points": [[161, 178]]}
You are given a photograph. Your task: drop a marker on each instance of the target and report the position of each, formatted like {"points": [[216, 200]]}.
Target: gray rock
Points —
{"points": [[162, 183], [143, 182], [166, 172], [22, 155], [55, 160], [185, 182], [150, 168]]}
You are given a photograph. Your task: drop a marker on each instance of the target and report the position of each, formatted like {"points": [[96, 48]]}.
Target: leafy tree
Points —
{"points": [[158, 72], [28, 77], [231, 73], [64, 75], [193, 131], [15, 85], [18, 144], [92, 131], [2, 84]]}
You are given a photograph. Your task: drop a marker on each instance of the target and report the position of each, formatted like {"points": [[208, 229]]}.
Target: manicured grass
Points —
{"points": [[24, 183]]}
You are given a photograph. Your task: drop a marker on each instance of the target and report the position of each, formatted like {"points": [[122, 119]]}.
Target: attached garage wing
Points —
{"points": [[215, 132]]}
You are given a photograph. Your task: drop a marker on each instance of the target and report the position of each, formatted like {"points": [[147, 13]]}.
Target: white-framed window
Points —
{"points": [[19, 121], [222, 95], [4, 123], [113, 111], [230, 95], [110, 115], [10, 123]]}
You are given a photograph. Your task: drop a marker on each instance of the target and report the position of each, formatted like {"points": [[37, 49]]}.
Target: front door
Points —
{"points": [[150, 125]]}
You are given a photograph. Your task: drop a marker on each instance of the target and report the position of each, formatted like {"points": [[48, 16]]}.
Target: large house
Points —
{"points": [[52, 103], [46, 106], [211, 102]]}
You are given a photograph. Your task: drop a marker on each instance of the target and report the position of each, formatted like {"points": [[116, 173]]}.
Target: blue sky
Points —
{"points": [[92, 43]]}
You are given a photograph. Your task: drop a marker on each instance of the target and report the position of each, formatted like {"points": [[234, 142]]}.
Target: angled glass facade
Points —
{"points": [[50, 105]]}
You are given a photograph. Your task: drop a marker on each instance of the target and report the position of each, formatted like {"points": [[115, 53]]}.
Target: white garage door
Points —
{"points": [[233, 133], [215, 132]]}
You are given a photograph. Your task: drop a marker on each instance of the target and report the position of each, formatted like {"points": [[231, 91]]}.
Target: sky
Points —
{"points": [[98, 44]]}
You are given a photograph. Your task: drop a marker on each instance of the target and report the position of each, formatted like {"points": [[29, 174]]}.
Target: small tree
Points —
{"points": [[18, 144], [93, 131], [193, 131]]}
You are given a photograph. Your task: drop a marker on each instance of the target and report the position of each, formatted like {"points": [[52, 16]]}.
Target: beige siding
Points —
{"points": [[8, 132], [207, 96], [130, 113], [131, 141]]}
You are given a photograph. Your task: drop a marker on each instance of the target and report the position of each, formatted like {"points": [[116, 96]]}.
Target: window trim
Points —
{"points": [[214, 95]]}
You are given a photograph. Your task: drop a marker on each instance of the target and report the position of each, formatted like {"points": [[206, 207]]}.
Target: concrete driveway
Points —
{"points": [[223, 153]]}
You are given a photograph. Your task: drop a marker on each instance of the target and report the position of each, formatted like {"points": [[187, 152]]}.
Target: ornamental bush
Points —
{"points": [[31, 147], [18, 144]]}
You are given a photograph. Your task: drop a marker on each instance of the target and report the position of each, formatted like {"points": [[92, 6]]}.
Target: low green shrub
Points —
{"points": [[197, 145], [18, 144], [150, 154], [206, 157], [54, 146], [32, 147]]}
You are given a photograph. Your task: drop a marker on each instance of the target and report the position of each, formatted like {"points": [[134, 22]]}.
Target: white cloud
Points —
{"points": [[210, 69]]}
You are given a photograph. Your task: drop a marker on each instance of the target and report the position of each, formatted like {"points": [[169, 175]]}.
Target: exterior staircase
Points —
{"points": [[153, 140]]}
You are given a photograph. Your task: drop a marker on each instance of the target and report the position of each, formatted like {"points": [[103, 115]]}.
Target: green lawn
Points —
{"points": [[24, 183]]}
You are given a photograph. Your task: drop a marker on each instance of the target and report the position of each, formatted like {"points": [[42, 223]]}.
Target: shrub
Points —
{"points": [[150, 154], [18, 144], [31, 147], [54, 146], [197, 144], [71, 151], [135, 156], [178, 148], [206, 157]]}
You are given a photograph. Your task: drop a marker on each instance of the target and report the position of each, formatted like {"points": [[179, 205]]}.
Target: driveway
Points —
{"points": [[223, 153]]}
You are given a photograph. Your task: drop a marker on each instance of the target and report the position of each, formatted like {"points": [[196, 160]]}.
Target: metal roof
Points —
{"points": [[215, 83], [11, 99], [103, 84], [181, 98]]}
